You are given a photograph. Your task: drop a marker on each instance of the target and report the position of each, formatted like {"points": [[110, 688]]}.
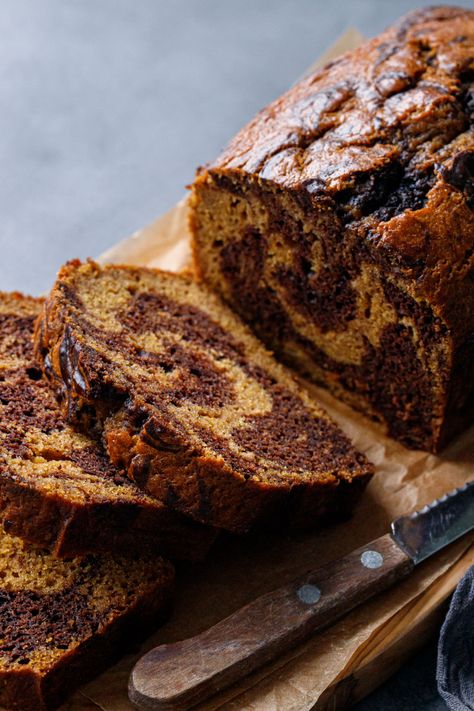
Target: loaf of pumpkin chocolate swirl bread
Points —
{"points": [[58, 488], [339, 224], [190, 403]]}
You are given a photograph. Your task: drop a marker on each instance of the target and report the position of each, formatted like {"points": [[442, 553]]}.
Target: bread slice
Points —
{"points": [[190, 403], [64, 621], [338, 224], [58, 488]]}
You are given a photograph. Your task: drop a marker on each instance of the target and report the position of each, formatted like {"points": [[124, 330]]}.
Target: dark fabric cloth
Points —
{"points": [[455, 668]]}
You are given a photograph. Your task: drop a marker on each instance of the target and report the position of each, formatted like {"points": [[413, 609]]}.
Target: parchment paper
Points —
{"points": [[342, 664]]}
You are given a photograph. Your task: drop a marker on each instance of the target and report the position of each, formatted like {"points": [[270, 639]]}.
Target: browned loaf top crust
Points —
{"points": [[190, 403], [339, 223], [63, 621], [58, 488]]}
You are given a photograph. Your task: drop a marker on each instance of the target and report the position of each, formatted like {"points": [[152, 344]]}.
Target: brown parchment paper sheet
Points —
{"points": [[348, 660]]}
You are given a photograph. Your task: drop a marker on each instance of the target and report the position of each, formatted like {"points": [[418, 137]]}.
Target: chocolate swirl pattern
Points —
{"points": [[338, 224], [58, 488], [62, 622], [190, 403]]}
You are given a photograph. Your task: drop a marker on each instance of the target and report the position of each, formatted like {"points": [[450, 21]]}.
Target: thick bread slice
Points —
{"points": [[58, 488], [190, 402], [62, 622]]}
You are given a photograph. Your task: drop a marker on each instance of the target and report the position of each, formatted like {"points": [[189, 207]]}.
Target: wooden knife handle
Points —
{"points": [[180, 675]]}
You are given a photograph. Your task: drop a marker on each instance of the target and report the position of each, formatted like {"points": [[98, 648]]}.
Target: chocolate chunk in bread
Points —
{"points": [[58, 488], [190, 403], [63, 621], [338, 224]]}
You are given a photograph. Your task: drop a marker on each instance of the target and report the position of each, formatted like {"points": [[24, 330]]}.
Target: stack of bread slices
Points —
{"points": [[138, 418]]}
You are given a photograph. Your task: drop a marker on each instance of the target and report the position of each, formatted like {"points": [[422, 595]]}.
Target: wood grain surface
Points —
{"points": [[178, 676]]}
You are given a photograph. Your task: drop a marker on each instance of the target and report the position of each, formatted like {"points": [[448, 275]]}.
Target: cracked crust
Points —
{"points": [[58, 488], [338, 223], [190, 403]]}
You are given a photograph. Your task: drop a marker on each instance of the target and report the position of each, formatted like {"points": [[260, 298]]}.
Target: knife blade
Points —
{"points": [[427, 531], [177, 676]]}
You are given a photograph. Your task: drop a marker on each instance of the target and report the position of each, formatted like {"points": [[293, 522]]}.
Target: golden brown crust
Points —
{"points": [[362, 171], [404, 97], [190, 403], [58, 489]]}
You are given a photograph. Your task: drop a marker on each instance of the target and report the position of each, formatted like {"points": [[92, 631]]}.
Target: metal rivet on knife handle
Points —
{"points": [[309, 594], [371, 559]]}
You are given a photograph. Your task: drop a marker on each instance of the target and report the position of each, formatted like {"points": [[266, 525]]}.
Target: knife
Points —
{"points": [[180, 675]]}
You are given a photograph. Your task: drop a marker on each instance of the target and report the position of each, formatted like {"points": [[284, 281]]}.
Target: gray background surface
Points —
{"points": [[107, 107]]}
